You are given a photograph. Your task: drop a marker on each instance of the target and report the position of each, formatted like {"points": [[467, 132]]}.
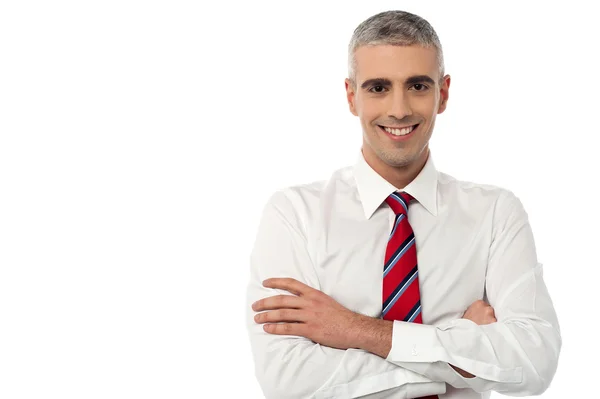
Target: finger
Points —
{"points": [[296, 329], [278, 302], [281, 315], [288, 284]]}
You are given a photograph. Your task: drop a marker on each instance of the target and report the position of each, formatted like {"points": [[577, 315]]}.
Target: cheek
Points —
{"points": [[427, 107], [369, 111]]}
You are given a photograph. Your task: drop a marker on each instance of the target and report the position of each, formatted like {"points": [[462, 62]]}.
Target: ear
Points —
{"points": [[350, 95], [444, 94]]}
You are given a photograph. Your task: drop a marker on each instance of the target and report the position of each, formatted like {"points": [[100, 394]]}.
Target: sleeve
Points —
{"points": [[515, 356], [296, 367]]}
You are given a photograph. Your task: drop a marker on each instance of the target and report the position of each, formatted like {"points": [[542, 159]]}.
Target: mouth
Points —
{"points": [[398, 134]]}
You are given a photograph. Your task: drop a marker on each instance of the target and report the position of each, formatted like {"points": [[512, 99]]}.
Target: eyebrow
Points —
{"points": [[386, 82]]}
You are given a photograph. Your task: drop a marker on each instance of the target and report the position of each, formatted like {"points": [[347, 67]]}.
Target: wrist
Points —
{"points": [[374, 335]]}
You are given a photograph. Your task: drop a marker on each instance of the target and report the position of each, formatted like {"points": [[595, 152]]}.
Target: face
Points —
{"points": [[397, 97]]}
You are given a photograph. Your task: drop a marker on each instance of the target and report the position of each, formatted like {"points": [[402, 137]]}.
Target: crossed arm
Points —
{"points": [[323, 350], [313, 314]]}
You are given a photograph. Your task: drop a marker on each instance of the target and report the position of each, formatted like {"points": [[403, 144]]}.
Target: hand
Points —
{"points": [[311, 314], [480, 313]]}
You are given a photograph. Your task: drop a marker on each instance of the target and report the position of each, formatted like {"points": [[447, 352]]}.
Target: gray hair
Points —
{"points": [[398, 28]]}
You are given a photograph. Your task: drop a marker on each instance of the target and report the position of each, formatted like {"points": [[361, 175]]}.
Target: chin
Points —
{"points": [[396, 158]]}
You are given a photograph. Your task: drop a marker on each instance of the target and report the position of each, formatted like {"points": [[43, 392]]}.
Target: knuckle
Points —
{"points": [[315, 294]]}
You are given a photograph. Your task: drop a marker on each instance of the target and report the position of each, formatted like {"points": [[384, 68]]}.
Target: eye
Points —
{"points": [[377, 87], [420, 87]]}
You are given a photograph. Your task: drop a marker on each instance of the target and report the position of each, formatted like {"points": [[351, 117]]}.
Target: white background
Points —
{"points": [[140, 140]]}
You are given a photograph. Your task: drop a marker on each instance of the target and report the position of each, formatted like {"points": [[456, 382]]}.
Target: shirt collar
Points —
{"points": [[374, 189]]}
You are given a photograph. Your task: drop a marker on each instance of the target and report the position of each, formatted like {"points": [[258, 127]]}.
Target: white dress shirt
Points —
{"points": [[473, 242]]}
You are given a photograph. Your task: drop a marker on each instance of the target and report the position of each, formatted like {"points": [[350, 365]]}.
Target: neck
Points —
{"points": [[398, 176]]}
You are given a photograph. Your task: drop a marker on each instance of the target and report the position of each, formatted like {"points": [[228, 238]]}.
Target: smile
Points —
{"points": [[398, 133]]}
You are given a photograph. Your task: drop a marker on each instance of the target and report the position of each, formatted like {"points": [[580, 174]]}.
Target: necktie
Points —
{"points": [[401, 297]]}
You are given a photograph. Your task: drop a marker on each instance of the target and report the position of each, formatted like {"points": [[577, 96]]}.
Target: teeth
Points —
{"points": [[399, 132]]}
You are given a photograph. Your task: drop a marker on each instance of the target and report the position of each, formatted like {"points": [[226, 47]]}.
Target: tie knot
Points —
{"points": [[399, 202]]}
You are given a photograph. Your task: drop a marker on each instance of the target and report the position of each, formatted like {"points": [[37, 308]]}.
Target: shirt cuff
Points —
{"points": [[417, 343]]}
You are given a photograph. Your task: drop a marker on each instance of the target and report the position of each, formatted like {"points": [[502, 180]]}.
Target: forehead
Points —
{"points": [[395, 62]]}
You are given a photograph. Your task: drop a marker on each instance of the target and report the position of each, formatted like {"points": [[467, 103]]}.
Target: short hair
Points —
{"points": [[395, 27]]}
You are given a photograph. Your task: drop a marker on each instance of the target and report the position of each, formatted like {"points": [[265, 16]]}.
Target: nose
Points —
{"points": [[400, 105]]}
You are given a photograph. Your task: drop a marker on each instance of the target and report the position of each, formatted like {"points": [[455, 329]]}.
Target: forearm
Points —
{"points": [[516, 357], [498, 356], [295, 367], [375, 336]]}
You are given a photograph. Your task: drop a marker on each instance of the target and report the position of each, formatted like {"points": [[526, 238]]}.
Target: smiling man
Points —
{"points": [[400, 91], [392, 279]]}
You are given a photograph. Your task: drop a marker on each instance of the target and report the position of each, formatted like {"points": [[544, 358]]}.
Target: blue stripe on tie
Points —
{"points": [[404, 287], [398, 256], [399, 285], [400, 200], [415, 314], [398, 220]]}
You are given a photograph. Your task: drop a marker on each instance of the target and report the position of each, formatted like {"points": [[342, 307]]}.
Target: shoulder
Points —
{"points": [[476, 191], [468, 187], [297, 203], [304, 195], [501, 202]]}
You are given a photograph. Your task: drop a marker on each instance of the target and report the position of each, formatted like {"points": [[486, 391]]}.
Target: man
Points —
{"points": [[339, 303]]}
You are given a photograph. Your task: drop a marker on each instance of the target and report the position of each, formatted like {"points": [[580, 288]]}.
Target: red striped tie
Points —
{"points": [[401, 297]]}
